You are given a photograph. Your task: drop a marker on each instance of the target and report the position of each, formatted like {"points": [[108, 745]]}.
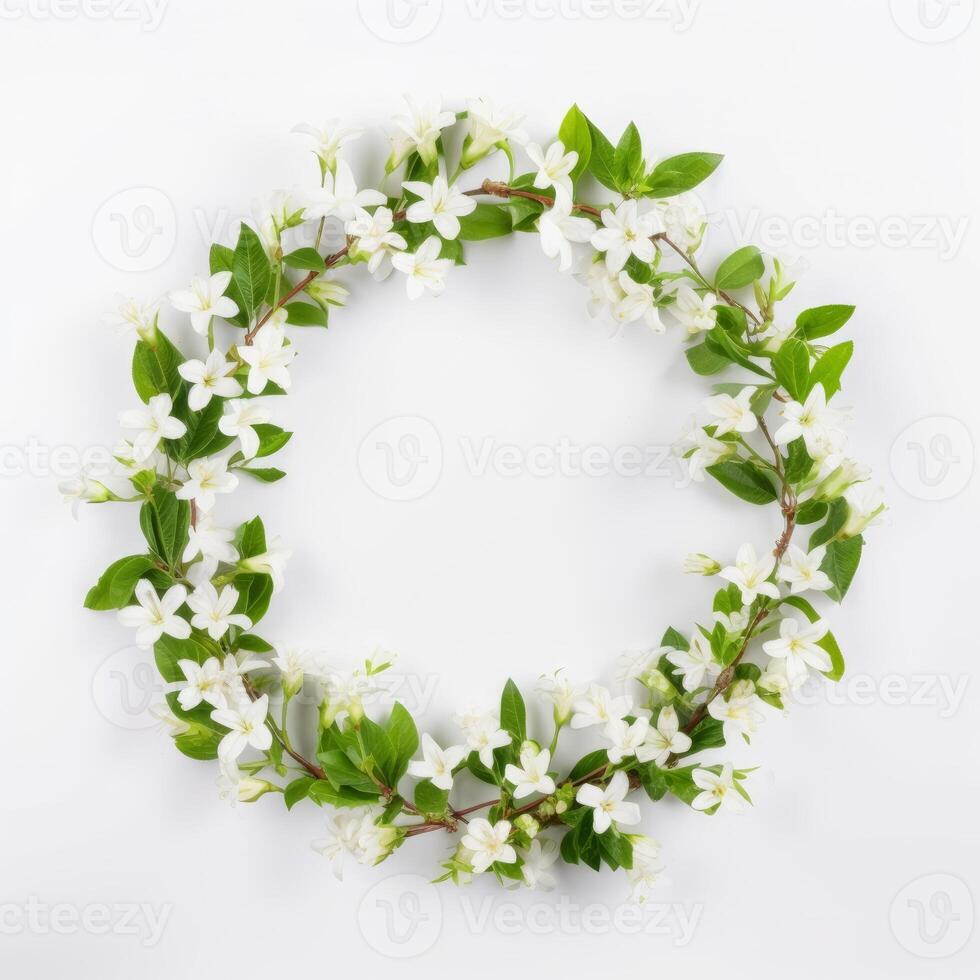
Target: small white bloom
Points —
{"points": [[555, 166], [716, 790], [637, 302], [599, 707], [800, 648], [738, 715], [239, 421], [609, 803], [750, 573], [532, 774], [774, 678], [374, 238], [604, 289], [646, 870], [626, 738], [684, 220], [156, 615], [490, 125], [214, 611], [695, 313], [487, 844], [208, 540], [246, 727], [665, 740], [154, 422], [733, 414], [698, 564], [424, 270], [83, 489], [355, 832], [205, 299], [339, 196], [561, 694], [419, 131], [437, 764], [136, 316], [865, 505], [328, 139], [344, 695], [820, 426], [295, 666], [236, 788], [735, 622], [173, 725], [269, 356], [209, 378], [272, 563], [802, 570], [205, 682], [327, 291], [559, 228], [483, 733], [697, 665], [707, 452], [626, 232], [439, 203], [202, 571], [538, 861], [205, 479]]}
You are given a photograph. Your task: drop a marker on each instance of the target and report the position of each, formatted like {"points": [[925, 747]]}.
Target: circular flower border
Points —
{"points": [[197, 591]]}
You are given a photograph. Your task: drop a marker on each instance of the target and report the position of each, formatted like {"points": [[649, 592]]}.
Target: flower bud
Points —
{"points": [[698, 564], [328, 291], [839, 480], [526, 824], [250, 789]]}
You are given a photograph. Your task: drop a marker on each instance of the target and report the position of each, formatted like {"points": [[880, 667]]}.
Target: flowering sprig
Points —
{"points": [[774, 435]]}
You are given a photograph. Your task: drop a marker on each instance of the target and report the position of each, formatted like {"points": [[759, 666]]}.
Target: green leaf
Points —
{"points": [[155, 367], [431, 800], [298, 789], [598, 759], [798, 462], [616, 849], [791, 364], [513, 714], [822, 320], [169, 651], [305, 258], [250, 538], [323, 792], [271, 438], [628, 157], [253, 643], [200, 743], [741, 268], [381, 749], [705, 361], [829, 643], [404, 738], [115, 586], [575, 135], [223, 260], [676, 639], [202, 430], [653, 781], [602, 160], [251, 270], [836, 519], [840, 563], [811, 511], [164, 521], [744, 480], [830, 366], [267, 474], [301, 314], [254, 595], [487, 221], [681, 173]]}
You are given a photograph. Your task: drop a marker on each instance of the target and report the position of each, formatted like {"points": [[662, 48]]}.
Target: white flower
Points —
{"points": [[775, 335], [135, 316], [328, 139], [716, 790], [698, 564], [439, 203], [734, 414], [202, 571], [205, 682], [125, 455], [208, 378], [554, 166], [697, 665], [561, 694], [205, 479], [538, 860], [241, 415], [646, 870], [295, 666], [799, 647], [750, 573], [246, 727], [204, 299], [271, 563], [437, 764], [738, 715], [626, 738], [423, 268], [339, 196], [172, 724], [327, 291], [483, 733], [802, 570], [532, 774], [774, 678], [820, 426], [708, 451], [599, 707], [375, 239], [696, 313], [735, 622], [156, 615], [558, 228], [355, 832], [269, 356], [214, 611], [604, 289], [154, 423], [208, 540], [627, 232], [684, 220], [665, 740], [236, 788], [489, 125], [609, 803], [865, 505], [344, 695], [420, 129], [83, 489], [487, 844], [637, 302], [272, 216]]}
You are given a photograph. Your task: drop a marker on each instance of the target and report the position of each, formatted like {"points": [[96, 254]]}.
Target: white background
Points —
{"points": [[834, 117]]}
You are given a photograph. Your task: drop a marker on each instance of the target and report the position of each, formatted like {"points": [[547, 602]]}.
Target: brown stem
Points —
{"points": [[311, 767]]}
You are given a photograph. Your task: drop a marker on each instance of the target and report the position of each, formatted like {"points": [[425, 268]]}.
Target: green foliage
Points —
{"points": [[680, 173], [741, 268], [164, 521], [576, 135], [116, 584], [791, 364], [251, 271], [821, 321], [487, 221], [513, 713], [155, 367], [300, 314], [745, 480]]}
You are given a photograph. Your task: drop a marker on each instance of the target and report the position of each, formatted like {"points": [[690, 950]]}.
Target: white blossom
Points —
{"points": [[561, 694], [135, 316], [750, 573], [272, 563], [490, 125], [558, 228], [800, 647], [637, 302], [802, 570], [214, 611], [153, 422], [483, 733], [716, 790], [626, 738], [207, 539], [437, 764], [205, 479], [664, 740], [695, 313], [424, 270], [865, 505], [239, 421], [209, 378], [268, 356], [204, 299], [531, 776], [626, 232], [733, 414], [697, 665], [439, 203], [246, 726], [818, 425], [155, 615], [538, 860], [339, 197], [609, 803], [487, 844], [419, 131], [328, 139], [555, 166], [375, 239], [599, 707]]}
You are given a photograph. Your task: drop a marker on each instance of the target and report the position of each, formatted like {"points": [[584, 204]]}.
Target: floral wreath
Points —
{"points": [[197, 590]]}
